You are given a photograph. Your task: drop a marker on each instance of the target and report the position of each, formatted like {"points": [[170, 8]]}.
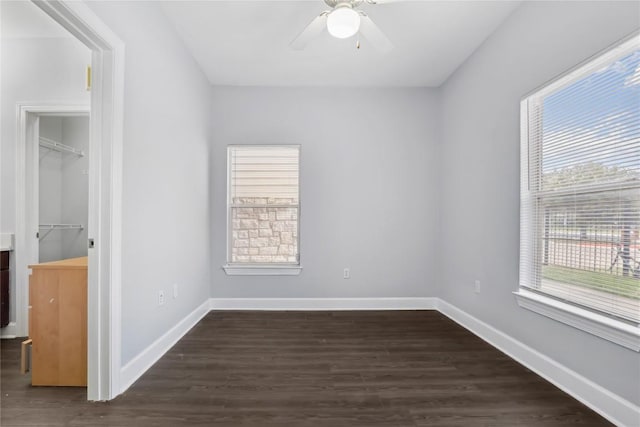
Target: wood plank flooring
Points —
{"points": [[391, 368]]}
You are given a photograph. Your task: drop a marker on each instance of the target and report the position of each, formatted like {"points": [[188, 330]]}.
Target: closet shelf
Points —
{"points": [[58, 146], [62, 226], [50, 227]]}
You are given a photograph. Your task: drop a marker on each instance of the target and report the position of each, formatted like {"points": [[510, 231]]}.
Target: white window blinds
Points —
{"points": [[264, 172], [263, 201], [580, 186]]}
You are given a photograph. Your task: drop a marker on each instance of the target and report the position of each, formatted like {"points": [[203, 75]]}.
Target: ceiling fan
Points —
{"points": [[344, 20]]}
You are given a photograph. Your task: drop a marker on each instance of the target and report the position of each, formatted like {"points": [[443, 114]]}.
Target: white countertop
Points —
{"points": [[6, 242]]}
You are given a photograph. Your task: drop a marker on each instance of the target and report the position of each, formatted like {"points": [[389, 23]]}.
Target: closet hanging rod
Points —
{"points": [[50, 227], [62, 226], [58, 146]]}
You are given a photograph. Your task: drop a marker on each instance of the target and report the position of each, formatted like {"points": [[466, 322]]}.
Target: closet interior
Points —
{"points": [[63, 187]]}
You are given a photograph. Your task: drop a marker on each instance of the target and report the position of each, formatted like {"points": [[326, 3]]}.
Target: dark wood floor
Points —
{"points": [[400, 368]]}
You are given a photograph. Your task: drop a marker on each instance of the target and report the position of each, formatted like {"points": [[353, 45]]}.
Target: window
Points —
{"points": [[263, 200], [580, 197]]}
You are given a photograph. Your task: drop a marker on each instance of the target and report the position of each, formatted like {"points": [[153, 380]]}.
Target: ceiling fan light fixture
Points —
{"points": [[343, 22]]}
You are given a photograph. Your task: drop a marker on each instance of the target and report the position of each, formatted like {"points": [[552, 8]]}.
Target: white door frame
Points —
{"points": [[105, 195], [27, 203]]}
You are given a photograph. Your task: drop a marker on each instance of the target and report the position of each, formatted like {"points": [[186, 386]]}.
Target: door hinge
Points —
{"points": [[88, 77]]}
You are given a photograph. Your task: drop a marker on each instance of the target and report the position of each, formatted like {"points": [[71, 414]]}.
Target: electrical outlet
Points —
{"points": [[175, 290], [161, 298], [477, 286], [346, 274]]}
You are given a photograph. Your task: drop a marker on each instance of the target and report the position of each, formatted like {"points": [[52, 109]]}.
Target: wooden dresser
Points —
{"points": [[58, 322]]}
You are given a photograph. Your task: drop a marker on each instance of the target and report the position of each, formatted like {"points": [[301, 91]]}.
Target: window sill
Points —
{"points": [[262, 270], [604, 327]]}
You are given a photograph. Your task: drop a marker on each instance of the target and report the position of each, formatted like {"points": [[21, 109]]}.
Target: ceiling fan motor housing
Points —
{"points": [[342, 3], [344, 19]]}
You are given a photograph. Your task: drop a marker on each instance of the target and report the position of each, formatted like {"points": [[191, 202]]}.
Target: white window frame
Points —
{"points": [[601, 325], [257, 269]]}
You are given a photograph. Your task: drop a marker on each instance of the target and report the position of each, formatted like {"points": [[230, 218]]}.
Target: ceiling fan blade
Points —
{"points": [[314, 29], [375, 36]]}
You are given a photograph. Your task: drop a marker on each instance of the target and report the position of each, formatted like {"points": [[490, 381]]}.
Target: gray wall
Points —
{"points": [[369, 180], [480, 176], [166, 174], [35, 70], [75, 186], [40, 71]]}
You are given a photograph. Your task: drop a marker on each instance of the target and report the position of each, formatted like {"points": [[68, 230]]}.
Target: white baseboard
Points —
{"points": [[323, 304], [9, 331], [133, 370], [611, 406]]}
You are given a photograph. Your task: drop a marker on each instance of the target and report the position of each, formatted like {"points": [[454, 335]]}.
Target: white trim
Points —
{"points": [[533, 212], [262, 270], [323, 304], [611, 406], [258, 269], [604, 327], [622, 48], [150, 355], [26, 205], [105, 194], [26, 242], [592, 63]]}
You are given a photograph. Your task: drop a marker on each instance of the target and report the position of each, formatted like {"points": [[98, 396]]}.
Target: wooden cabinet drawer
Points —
{"points": [[4, 260], [4, 298]]}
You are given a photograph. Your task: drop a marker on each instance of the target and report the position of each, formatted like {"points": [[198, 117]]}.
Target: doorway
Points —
{"points": [[53, 187], [104, 193]]}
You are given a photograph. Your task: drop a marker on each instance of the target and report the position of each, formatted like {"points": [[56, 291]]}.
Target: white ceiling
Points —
{"points": [[246, 43], [23, 19]]}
